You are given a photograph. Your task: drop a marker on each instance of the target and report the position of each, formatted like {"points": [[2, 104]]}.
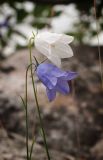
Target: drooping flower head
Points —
{"points": [[54, 79], [54, 46]]}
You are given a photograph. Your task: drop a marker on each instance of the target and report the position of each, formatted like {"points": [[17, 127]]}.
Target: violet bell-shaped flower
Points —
{"points": [[54, 79], [54, 46]]}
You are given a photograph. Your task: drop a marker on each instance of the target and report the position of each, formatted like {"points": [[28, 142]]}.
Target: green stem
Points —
{"points": [[32, 145], [38, 108], [26, 112]]}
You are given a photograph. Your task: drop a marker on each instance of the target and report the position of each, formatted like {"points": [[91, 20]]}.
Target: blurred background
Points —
{"points": [[73, 123]]}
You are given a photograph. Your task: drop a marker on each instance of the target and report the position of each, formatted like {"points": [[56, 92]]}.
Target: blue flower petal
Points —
{"points": [[47, 79], [55, 71], [51, 93], [52, 70], [62, 86]]}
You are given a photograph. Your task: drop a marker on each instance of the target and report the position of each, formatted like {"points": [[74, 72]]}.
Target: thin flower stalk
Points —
{"points": [[26, 111], [31, 150], [25, 105]]}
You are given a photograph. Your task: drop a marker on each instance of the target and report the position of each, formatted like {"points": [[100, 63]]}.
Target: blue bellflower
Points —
{"points": [[55, 79]]}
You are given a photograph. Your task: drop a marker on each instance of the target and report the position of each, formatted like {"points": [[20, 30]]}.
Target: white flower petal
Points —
{"points": [[66, 38], [56, 60], [61, 50], [42, 46], [49, 37]]}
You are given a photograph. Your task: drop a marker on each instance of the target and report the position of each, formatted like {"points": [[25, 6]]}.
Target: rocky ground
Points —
{"points": [[73, 123]]}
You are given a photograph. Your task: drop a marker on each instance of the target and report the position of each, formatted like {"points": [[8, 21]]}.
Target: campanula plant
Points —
{"points": [[54, 46]]}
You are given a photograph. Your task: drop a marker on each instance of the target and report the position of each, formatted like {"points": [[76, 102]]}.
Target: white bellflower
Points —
{"points": [[54, 46]]}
